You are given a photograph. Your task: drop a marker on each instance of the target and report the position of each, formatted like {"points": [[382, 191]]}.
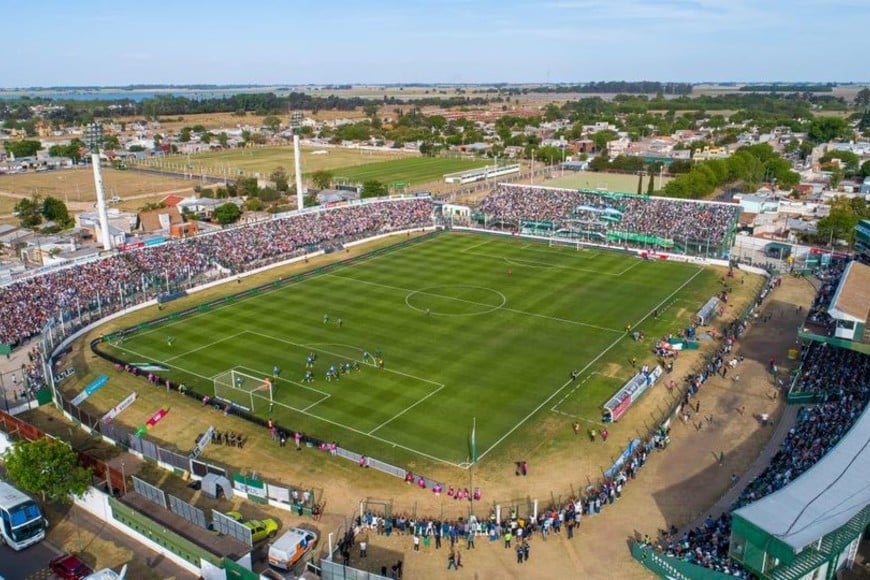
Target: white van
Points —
{"points": [[287, 550]]}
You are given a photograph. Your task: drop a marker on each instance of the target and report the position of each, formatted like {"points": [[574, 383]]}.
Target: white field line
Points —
{"points": [[583, 370], [513, 310], [262, 292], [469, 248], [331, 422], [280, 378], [201, 347], [345, 357], [400, 413], [636, 264]]}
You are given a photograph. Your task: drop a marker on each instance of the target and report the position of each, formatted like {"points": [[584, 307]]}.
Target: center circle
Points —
{"points": [[455, 300]]}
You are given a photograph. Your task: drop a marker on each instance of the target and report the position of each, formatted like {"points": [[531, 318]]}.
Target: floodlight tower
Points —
{"points": [[94, 138], [295, 126]]}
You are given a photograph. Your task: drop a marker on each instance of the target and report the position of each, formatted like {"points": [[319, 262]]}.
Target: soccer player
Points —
{"points": [[325, 318], [366, 356], [309, 361], [308, 378], [428, 312], [276, 371], [338, 322], [169, 340], [239, 382]]}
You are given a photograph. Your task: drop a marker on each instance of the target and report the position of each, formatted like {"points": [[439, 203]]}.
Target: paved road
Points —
{"points": [[31, 563]]}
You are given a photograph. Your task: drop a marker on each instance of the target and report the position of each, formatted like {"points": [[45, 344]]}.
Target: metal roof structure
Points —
{"points": [[824, 498]]}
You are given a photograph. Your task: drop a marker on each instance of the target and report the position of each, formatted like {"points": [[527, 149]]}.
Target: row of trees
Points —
{"points": [[34, 210], [750, 166]]}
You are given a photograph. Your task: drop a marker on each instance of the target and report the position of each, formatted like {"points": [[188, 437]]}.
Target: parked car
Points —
{"points": [[260, 529], [69, 567]]}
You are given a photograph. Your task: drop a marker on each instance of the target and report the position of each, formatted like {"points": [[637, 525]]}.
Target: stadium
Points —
{"points": [[442, 357]]}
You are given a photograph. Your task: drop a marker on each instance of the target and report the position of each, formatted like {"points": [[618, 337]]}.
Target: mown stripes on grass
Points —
{"points": [[508, 321]]}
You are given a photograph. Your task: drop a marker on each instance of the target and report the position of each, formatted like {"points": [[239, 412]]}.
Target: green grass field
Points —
{"points": [[413, 170], [470, 327], [354, 164], [610, 181]]}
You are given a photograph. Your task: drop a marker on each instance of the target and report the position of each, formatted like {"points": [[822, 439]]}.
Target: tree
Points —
{"points": [[184, 135], [849, 160], [599, 163], [837, 176], [247, 186], [29, 212], [111, 142], [601, 138], [280, 179], [373, 188], [862, 98], [223, 139], [650, 188], [824, 129], [49, 468], [272, 123], [321, 179], [227, 213], [268, 194], [865, 169], [55, 210], [254, 204], [24, 148], [640, 183]]}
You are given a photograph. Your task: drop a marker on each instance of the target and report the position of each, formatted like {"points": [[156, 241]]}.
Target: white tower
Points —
{"points": [[94, 137], [295, 125]]}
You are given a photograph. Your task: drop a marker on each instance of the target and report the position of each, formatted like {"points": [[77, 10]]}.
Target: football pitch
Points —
{"points": [[469, 328]]}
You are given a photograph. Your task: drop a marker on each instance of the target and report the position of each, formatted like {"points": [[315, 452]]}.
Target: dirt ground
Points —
{"points": [[683, 481]]}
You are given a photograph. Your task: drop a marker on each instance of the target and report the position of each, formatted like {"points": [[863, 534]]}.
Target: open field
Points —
{"points": [[610, 181], [214, 121], [76, 185], [484, 324], [355, 165], [413, 170], [7, 204], [264, 160]]}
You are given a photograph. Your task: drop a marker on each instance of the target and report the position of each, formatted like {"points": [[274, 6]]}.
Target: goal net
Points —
{"points": [[244, 390], [565, 243]]}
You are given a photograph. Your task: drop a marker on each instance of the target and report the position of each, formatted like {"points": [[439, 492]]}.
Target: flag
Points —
{"points": [[472, 442]]}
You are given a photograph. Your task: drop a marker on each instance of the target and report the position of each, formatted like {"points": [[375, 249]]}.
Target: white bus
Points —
{"points": [[21, 521]]}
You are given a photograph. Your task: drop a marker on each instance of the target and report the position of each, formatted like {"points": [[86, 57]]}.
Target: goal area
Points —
{"points": [[565, 243], [244, 390]]}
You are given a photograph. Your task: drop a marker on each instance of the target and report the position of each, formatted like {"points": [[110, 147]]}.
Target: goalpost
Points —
{"points": [[244, 390], [565, 242]]}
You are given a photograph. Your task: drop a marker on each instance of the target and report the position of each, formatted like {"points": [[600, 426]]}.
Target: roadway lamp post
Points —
{"points": [[94, 137], [295, 126]]}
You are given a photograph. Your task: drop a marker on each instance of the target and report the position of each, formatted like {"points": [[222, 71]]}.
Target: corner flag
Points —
{"points": [[472, 443]]}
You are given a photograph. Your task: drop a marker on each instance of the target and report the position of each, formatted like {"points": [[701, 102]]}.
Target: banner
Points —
{"points": [[628, 394], [153, 420], [116, 410], [202, 442], [156, 417], [64, 374], [92, 388]]}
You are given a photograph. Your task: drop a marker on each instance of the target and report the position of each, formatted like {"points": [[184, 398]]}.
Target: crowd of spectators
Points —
{"points": [[672, 219], [830, 279], [842, 378], [27, 305]]}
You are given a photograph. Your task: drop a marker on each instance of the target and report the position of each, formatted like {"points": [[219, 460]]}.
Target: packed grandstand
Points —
{"points": [[840, 377]]}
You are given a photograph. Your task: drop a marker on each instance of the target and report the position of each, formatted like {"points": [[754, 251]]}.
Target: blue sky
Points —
{"points": [[96, 42]]}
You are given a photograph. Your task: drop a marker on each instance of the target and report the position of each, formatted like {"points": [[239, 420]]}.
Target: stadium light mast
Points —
{"points": [[94, 138], [295, 126]]}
